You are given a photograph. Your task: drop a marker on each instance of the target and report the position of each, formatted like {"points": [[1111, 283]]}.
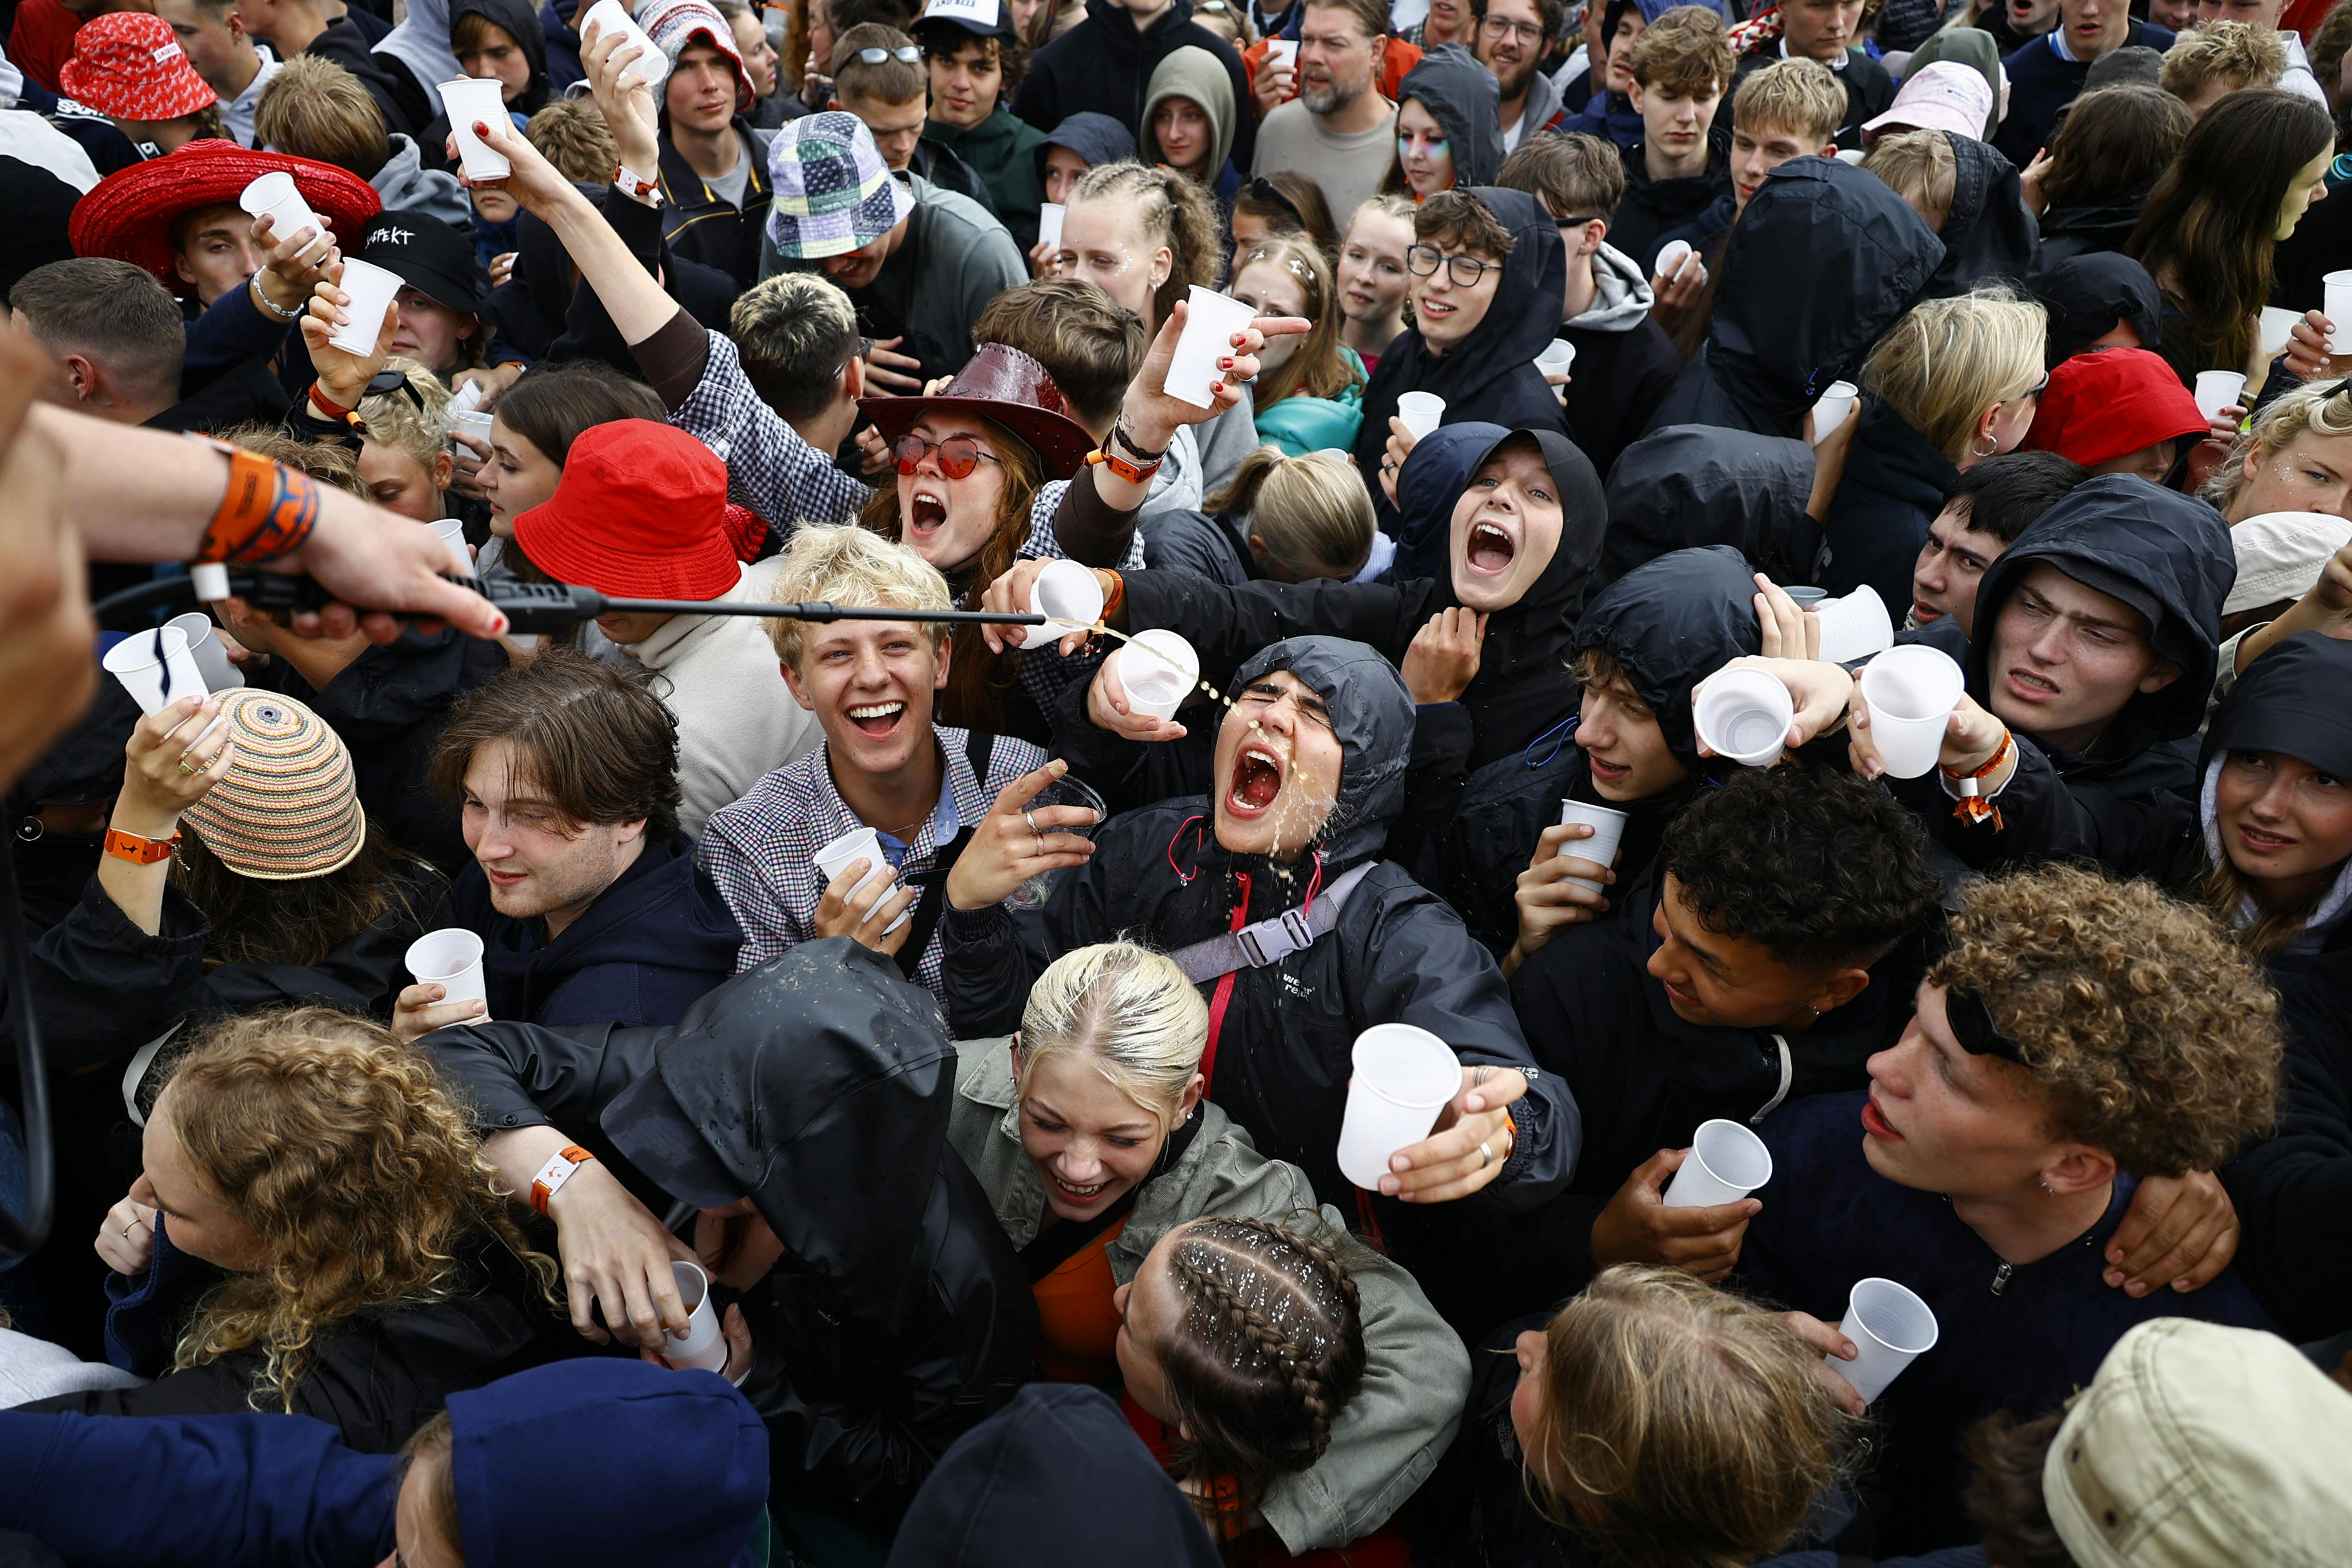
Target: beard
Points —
{"points": [[1512, 79], [1331, 100]]}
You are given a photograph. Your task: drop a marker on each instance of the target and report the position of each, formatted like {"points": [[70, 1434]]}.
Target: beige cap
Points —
{"points": [[2200, 1446]]}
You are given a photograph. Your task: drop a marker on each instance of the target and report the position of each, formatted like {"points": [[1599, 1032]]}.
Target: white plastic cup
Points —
{"points": [[1069, 594], [1209, 328], [1671, 256], [1049, 222], [450, 958], [1558, 356], [2338, 310], [1282, 54], [1421, 413], [205, 648], [1890, 1327], [859, 844], [156, 668], [704, 1349], [464, 100], [451, 532], [467, 423], [1831, 411], [1911, 691], [277, 196], [1607, 827], [1159, 669], [2217, 390], [1744, 715], [651, 65], [466, 399], [1727, 1161], [371, 288], [2278, 328], [1404, 1078], [1855, 626]]}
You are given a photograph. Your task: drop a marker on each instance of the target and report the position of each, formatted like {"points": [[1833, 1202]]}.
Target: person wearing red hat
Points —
{"points": [[2116, 411], [130, 68], [641, 513]]}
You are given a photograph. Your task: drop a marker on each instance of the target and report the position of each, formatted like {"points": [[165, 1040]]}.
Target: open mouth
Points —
{"points": [[2262, 843], [1604, 769], [1923, 613], [1080, 1195], [503, 879], [1257, 779], [2029, 687], [877, 719], [1490, 549], [1874, 1122], [925, 514]]}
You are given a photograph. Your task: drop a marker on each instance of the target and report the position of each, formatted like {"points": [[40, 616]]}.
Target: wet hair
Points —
{"points": [[1822, 870], [1801, 96], [302, 920], [2208, 223], [795, 332], [1312, 511], [2004, 1497], [1573, 174], [1290, 204], [1456, 217], [550, 406], [342, 1151], [1685, 51], [845, 564], [1948, 361], [325, 461], [1173, 211], [411, 422], [595, 744], [2114, 145], [571, 134], [945, 40], [313, 108], [2151, 1033], [1679, 1425], [2320, 408], [1920, 167], [1320, 368], [894, 81], [1268, 1349], [2004, 496], [1089, 342], [1130, 1012], [2238, 53], [111, 312]]}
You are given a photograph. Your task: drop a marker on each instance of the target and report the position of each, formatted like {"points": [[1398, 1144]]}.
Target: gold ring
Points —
{"points": [[186, 769]]}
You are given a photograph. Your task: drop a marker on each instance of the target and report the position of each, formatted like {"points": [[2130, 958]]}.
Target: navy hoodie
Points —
{"points": [[648, 946]]}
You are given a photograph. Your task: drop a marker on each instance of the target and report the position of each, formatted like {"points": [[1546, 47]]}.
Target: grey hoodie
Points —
{"points": [[1543, 102], [1620, 295], [405, 184]]}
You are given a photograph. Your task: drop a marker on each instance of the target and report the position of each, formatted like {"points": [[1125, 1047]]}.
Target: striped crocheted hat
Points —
{"points": [[834, 193], [289, 807]]}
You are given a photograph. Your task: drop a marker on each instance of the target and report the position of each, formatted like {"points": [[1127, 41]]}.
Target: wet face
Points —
{"points": [[2311, 473], [1820, 29], [1506, 528], [1103, 243], [2065, 659], [496, 54], [1336, 61], [2285, 824], [517, 477], [759, 55], [1943, 1120], [217, 253], [1422, 151], [1725, 982], [2309, 185], [897, 127], [1277, 768], [870, 685], [1620, 49], [398, 482], [199, 1219], [1756, 151], [966, 82], [1271, 289], [2095, 27], [540, 864], [1372, 278], [1090, 1142], [1150, 1312], [1951, 564], [1181, 129], [948, 521], [1446, 310], [701, 91], [1623, 747], [1511, 44], [1062, 170], [431, 333]]}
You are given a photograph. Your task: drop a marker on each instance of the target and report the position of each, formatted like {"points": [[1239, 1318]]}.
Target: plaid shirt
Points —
{"points": [[761, 850]]}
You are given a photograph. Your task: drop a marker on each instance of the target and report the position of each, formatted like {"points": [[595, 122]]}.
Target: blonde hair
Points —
{"points": [[571, 134], [1920, 167], [2236, 52], [394, 420], [845, 564], [2321, 407], [1679, 1424], [341, 1149], [1948, 361], [1130, 1012], [1387, 204], [1173, 211], [1799, 96], [313, 108], [1320, 368], [1313, 512]]}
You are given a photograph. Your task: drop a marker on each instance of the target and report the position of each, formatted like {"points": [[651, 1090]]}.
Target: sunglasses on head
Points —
{"points": [[385, 383], [876, 54], [959, 455], [1265, 190]]}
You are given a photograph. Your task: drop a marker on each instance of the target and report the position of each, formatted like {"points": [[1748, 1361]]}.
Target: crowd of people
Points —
{"points": [[899, 1095]]}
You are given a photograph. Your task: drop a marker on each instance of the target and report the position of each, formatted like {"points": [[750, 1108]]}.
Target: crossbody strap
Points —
{"points": [[977, 749], [1270, 940]]}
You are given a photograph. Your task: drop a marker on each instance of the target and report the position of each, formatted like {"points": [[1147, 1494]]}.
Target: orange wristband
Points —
{"points": [[1116, 599], [267, 511]]}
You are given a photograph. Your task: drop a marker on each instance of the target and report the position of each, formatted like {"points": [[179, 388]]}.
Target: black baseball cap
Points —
{"points": [[653, 1132], [429, 256]]}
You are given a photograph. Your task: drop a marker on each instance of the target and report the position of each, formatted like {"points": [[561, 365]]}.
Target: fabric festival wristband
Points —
{"points": [[637, 186], [559, 1168], [267, 511], [1968, 789]]}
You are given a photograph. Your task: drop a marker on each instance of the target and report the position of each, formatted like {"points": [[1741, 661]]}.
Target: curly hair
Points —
{"points": [[1679, 1425], [1818, 868], [1269, 1348], [344, 1152], [2153, 1034], [2317, 407]]}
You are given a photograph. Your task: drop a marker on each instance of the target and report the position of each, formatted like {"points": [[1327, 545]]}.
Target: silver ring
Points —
{"points": [[1031, 820], [1041, 847], [1486, 1156]]}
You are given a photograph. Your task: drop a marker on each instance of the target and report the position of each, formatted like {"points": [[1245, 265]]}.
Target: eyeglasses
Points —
{"points": [[1503, 28], [1421, 260], [865, 346], [2036, 390], [908, 52], [959, 455], [1578, 220]]}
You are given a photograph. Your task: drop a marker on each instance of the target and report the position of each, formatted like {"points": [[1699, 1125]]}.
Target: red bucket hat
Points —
{"points": [[1007, 387], [129, 214], [2110, 402], [640, 512], [130, 65]]}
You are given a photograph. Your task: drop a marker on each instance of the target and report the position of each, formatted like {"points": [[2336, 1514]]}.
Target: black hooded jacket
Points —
{"points": [[1668, 625], [521, 19], [1461, 96], [1491, 374], [1103, 66], [2291, 1190], [1892, 490], [1651, 208], [1281, 1037], [2099, 228], [897, 1317], [1823, 261], [2087, 294], [1990, 232], [1691, 486]]}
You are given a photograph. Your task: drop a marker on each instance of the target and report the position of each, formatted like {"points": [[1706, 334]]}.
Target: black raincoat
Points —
{"points": [[2291, 1191], [1990, 232], [898, 1316], [1490, 375], [1461, 96], [2087, 296], [1823, 260], [1691, 485], [1280, 1036], [1892, 488], [2099, 228]]}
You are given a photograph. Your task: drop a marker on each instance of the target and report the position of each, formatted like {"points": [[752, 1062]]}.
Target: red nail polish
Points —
{"points": [[1225, 364]]}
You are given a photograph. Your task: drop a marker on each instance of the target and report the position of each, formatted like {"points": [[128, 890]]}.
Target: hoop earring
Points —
{"points": [[1990, 447]]}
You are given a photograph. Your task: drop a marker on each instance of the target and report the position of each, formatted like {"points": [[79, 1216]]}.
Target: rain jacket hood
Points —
{"points": [[1823, 262], [1097, 138], [1692, 485], [2164, 554], [1990, 232], [2290, 702], [1461, 96], [421, 42], [1372, 715], [2087, 294], [522, 25], [1200, 76], [1620, 294], [1671, 623]]}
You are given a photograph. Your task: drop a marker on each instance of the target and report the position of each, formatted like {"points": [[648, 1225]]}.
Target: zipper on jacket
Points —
{"points": [[2001, 1279]]}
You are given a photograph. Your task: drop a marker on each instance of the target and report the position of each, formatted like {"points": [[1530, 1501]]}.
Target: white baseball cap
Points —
{"points": [[1942, 95]]}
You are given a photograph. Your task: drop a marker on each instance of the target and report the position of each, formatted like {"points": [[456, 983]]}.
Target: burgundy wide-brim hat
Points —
{"points": [[1007, 387], [128, 215]]}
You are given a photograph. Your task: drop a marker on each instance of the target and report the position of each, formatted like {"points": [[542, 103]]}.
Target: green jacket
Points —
{"points": [[1417, 1374], [1003, 150], [1300, 424]]}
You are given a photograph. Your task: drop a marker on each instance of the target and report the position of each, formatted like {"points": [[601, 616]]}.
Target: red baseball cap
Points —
{"points": [[2110, 402], [640, 512], [129, 65]]}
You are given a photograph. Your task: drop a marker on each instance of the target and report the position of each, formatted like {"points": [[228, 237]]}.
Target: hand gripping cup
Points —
{"points": [[1422, 412], [1911, 691], [371, 288], [2217, 389], [2338, 308], [1890, 1328], [276, 196], [1744, 715], [1854, 626], [651, 65], [465, 100], [1607, 827], [1725, 1164], [1558, 356], [1404, 1078], [451, 958], [704, 1349], [1159, 669], [1069, 594], [1049, 222], [1836, 404], [859, 844], [1210, 325]]}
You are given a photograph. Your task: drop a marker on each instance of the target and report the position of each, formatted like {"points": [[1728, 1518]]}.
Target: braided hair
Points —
{"points": [[1269, 1347]]}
